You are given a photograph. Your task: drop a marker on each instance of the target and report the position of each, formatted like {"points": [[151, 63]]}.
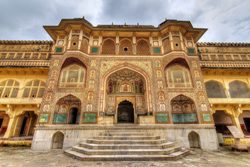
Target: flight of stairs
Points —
{"points": [[126, 145]]}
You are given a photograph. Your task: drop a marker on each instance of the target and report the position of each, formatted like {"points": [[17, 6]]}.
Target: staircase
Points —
{"points": [[126, 145]]}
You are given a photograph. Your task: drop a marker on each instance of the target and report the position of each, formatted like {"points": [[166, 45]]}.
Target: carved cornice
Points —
{"points": [[223, 44], [25, 63], [225, 64]]}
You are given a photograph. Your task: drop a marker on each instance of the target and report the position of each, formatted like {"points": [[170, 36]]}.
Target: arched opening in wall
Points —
{"points": [[125, 47], [84, 45], [244, 119], [26, 123], [142, 47], [126, 84], [221, 121], [4, 121], [215, 89], [194, 140], [108, 46], [183, 110], [57, 140], [73, 73], [9, 88], [73, 115], [166, 45], [125, 112], [239, 89], [67, 110], [178, 74]]}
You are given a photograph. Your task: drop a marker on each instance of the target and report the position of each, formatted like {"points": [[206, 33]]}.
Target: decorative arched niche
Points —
{"points": [[177, 74], [183, 110], [73, 73]]}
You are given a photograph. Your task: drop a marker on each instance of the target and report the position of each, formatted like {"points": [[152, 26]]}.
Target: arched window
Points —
{"points": [[108, 47], [178, 76], [34, 89], [84, 45], [9, 88], [215, 89], [72, 76], [183, 110], [239, 89], [142, 47], [125, 47]]}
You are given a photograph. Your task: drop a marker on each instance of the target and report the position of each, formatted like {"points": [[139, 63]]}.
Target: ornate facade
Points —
{"points": [[89, 78]]}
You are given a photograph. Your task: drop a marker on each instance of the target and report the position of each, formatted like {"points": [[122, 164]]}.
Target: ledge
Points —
{"points": [[20, 100], [25, 63], [117, 127]]}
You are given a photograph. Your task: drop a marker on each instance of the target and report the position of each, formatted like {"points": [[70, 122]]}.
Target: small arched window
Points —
{"points": [[108, 47], [142, 47], [72, 76], [215, 89], [9, 88], [178, 76], [34, 89], [239, 89]]}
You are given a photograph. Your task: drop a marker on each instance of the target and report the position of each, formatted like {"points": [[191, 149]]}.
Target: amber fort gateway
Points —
{"points": [[93, 80]]}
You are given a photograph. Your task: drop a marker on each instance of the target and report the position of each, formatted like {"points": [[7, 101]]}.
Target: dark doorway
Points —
{"points": [[73, 116], [57, 140], [194, 140], [1, 122], [22, 131], [125, 112], [247, 124]]}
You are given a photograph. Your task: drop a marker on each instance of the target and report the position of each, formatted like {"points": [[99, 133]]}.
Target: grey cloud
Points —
{"points": [[226, 20]]}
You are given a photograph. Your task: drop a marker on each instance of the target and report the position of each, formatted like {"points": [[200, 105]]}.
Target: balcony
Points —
{"points": [[229, 100], [20, 100]]}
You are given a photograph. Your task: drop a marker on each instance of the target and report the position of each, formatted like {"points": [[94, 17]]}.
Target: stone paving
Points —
{"points": [[25, 157]]}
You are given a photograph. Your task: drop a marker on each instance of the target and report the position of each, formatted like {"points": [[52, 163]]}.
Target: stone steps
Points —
{"points": [[108, 141], [126, 151], [170, 157], [127, 137], [126, 144]]}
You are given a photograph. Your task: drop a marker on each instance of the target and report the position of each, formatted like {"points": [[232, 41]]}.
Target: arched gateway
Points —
{"points": [[126, 95]]}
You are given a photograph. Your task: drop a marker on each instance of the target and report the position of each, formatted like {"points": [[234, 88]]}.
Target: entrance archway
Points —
{"points": [[57, 140], [73, 115], [194, 140], [125, 112]]}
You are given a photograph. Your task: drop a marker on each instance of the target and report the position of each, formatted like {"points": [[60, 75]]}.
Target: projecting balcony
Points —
{"points": [[229, 100], [20, 100]]}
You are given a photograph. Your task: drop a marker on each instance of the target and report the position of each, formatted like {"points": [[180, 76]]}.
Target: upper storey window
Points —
{"points": [[215, 89], [239, 89], [178, 76], [142, 47], [34, 89], [9, 88], [72, 76], [108, 46]]}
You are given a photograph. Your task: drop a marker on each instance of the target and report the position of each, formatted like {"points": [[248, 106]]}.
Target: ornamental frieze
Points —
{"points": [[108, 64]]}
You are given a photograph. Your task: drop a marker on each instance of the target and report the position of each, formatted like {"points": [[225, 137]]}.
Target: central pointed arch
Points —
{"points": [[133, 68]]}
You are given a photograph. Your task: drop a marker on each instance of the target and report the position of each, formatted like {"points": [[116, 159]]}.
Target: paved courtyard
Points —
{"points": [[25, 157]]}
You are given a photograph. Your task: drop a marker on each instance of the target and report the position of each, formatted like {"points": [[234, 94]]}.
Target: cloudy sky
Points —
{"points": [[226, 20]]}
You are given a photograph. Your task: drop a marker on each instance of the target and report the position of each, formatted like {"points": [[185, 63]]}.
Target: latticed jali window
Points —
{"points": [[108, 47], [72, 76], [239, 89], [142, 47], [178, 76], [84, 45], [215, 89], [9, 88], [34, 89], [125, 47], [166, 45]]}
